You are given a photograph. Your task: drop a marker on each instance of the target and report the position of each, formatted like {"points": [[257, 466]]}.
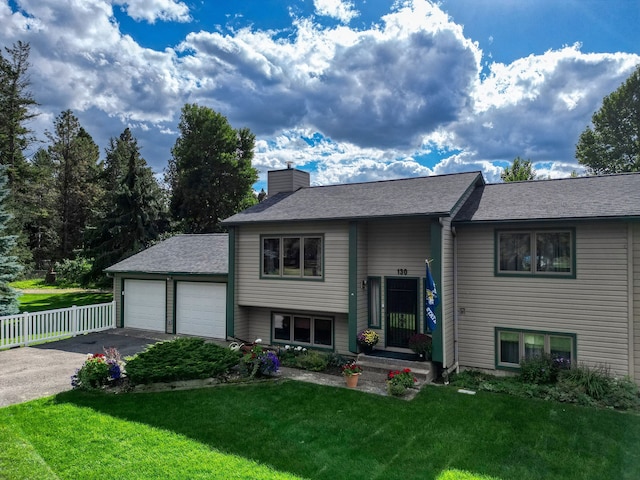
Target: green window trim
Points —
{"points": [[533, 341], [292, 257], [374, 301], [317, 339], [525, 245]]}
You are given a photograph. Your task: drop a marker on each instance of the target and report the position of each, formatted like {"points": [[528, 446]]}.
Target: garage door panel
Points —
{"points": [[201, 309], [145, 304]]}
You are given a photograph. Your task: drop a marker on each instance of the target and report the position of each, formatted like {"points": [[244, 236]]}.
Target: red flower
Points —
{"points": [[407, 370]]}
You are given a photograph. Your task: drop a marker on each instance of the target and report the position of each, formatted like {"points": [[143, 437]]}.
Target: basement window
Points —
{"points": [[302, 329], [513, 346]]}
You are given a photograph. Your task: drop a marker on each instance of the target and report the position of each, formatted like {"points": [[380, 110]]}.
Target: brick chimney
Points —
{"points": [[287, 180]]}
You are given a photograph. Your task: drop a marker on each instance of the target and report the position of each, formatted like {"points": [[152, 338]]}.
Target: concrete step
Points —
{"points": [[423, 371]]}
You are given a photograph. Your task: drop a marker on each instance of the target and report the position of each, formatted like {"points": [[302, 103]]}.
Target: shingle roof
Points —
{"points": [[436, 195], [195, 254], [607, 196]]}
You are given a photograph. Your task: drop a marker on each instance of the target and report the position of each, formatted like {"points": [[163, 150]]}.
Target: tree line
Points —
{"points": [[67, 202]]}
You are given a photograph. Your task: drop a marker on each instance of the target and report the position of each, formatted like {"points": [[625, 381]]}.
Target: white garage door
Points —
{"points": [[145, 304], [201, 309]]}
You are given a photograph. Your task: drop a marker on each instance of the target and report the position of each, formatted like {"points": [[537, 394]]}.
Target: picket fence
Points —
{"points": [[28, 328]]}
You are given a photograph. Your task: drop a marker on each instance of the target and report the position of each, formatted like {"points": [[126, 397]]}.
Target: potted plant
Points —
{"points": [[367, 339], [351, 372], [420, 343]]}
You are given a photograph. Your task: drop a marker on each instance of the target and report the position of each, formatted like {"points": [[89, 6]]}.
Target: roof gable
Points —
{"points": [[429, 196], [607, 196], [192, 254]]}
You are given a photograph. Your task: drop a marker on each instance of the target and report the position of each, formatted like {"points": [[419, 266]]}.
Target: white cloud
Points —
{"points": [[341, 10], [353, 103], [152, 10]]}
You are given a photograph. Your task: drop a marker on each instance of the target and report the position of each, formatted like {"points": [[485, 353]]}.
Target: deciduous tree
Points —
{"points": [[613, 144], [210, 172]]}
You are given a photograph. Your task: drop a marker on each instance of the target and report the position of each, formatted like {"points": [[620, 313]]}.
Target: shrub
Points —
{"points": [[594, 382], [72, 273], [298, 357], [180, 359], [398, 381], [541, 369]]}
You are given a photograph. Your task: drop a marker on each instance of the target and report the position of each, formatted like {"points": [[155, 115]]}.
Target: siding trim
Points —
{"points": [[437, 354], [231, 283], [353, 287]]}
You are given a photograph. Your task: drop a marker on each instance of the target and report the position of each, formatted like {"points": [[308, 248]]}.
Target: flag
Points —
{"points": [[431, 300]]}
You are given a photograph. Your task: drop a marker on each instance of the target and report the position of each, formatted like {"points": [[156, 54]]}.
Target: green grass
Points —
{"points": [[33, 283], [37, 302], [273, 430]]}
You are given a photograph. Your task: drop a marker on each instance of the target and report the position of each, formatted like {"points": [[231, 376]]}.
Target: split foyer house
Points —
{"points": [[521, 268]]}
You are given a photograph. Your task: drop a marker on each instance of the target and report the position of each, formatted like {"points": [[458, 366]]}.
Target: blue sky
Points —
{"points": [[347, 90]]}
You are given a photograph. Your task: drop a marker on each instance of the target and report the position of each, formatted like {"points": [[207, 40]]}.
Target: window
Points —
{"points": [[302, 329], [538, 252], [514, 345], [375, 292], [292, 256]]}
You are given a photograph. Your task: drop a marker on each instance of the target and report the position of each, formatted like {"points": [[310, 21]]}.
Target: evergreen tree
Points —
{"points": [[42, 221], [75, 157], [520, 170], [210, 171], [9, 267], [132, 220], [16, 109]]}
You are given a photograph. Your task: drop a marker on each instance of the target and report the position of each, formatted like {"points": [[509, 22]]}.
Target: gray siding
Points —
{"points": [[288, 180], [305, 295], [594, 305]]}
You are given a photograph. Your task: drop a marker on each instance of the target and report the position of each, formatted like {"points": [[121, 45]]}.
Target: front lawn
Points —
{"points": [[37, 302], [288, 429]]}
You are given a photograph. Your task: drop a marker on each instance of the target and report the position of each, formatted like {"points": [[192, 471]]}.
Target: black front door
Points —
{"points": [[402, 310]]}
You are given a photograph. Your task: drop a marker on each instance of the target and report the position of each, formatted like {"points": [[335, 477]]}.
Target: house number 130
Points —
{"points": [[402, 271]]}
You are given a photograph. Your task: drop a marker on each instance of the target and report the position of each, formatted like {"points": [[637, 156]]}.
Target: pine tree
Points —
{"points": [[75, 157], [9, 267], [16, 109], [134, 213]]}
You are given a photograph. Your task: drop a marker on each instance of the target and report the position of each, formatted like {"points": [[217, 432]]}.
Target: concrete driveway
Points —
{"points": [[37, 371]]}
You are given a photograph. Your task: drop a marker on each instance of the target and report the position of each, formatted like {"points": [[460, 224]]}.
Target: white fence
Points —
{"points": [[27, 328]]}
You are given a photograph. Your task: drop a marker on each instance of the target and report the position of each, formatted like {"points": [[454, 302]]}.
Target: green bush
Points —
{"points": [[72, 273], [583, 385], [180, 359], [594, 382], [298, 357], [313, 361], [541, 369]]}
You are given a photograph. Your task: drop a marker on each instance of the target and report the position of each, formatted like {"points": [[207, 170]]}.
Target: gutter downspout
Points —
{"points": [[455, 300]]}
